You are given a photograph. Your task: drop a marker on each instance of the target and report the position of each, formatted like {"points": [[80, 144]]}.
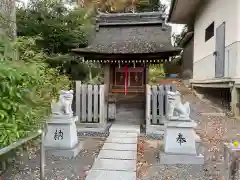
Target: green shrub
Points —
{"points": [[27, 88], [156, 73]]}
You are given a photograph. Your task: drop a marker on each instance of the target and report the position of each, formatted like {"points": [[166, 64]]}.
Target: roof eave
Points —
{"points": [[173, 3], [144, 56], [183, 12]]}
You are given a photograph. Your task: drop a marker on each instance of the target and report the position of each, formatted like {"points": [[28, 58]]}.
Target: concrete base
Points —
{"points": [[181, 159], [112, 111], [213, 83], [69, 153]]}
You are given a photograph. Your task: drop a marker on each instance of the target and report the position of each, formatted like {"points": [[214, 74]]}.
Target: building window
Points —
{"points": [[209, 32]]}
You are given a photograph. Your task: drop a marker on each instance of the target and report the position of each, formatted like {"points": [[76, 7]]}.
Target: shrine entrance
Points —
{"points": [[128, 78], [127, 88]]}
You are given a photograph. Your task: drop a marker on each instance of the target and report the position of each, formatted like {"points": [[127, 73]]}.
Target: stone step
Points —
{"points": [[115, 165], [110, 175], [121, 140], [113, 154], [123, 134], [125, 128], [120, 147]]}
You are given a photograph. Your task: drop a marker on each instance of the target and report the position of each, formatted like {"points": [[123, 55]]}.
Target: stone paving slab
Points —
{"points": [[112, 154], [123, 135], [121, 140], [125, 128], [119, 147], [110, 175], [114, 165]]}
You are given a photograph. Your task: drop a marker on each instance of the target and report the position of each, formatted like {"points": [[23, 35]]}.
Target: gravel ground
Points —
{"points": [[214, 131], [27, 165]]}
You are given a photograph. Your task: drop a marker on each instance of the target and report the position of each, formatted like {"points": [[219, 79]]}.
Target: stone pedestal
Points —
{"points": [[112, 111], [180, 144], [61, 138]]}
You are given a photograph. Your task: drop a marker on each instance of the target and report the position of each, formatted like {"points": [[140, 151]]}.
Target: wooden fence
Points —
{"points": [[156, 103], [90, 104]]}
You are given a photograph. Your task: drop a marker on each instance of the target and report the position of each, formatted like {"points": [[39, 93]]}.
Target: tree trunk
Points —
{"points": [[8, 17]]}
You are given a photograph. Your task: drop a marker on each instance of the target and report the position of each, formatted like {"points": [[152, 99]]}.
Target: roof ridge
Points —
{"points": [[154, 13], [122, 24], [130, 18]]}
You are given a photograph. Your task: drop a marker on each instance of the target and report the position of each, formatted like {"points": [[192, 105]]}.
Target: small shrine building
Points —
{"points": [[126, 44]]}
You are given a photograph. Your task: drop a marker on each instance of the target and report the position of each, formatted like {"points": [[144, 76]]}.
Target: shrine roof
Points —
{"points": [[130, 34]]}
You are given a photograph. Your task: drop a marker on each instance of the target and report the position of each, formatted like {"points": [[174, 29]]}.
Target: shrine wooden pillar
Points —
{"points": [[106, 68], [146, 74]]}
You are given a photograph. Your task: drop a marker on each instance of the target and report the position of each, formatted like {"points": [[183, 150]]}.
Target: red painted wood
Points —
{"points": [[130, 69]]}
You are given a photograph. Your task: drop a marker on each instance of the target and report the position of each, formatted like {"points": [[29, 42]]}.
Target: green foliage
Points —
{"points": [[26, 90], [59, 30], [150, 5], [7, 50], [67, 64], [96, 80], [156, 72]]}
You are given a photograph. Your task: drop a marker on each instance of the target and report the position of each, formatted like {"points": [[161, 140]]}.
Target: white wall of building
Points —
{"points": [[218, 11]]}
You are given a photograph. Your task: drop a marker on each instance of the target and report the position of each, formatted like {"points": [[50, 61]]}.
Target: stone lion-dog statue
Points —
{"points": [[64, 105]]}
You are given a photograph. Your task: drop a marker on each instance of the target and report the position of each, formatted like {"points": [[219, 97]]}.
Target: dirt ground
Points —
{"points": [[27, 165], [214, 130]]}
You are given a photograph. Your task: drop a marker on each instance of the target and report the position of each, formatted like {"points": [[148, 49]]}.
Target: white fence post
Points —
{"points": [[148, 105], [89, 104], [166, 88], [101, 105], [154, 104], [78, 99], [161, 95], [96, 103], [84, 103]]}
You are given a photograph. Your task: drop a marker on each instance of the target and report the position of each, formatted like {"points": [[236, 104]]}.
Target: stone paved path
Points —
{"points": [[117, 159]]}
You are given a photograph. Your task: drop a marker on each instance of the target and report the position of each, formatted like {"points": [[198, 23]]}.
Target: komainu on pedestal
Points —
{"points": [[61, 138], [180, 139]]}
